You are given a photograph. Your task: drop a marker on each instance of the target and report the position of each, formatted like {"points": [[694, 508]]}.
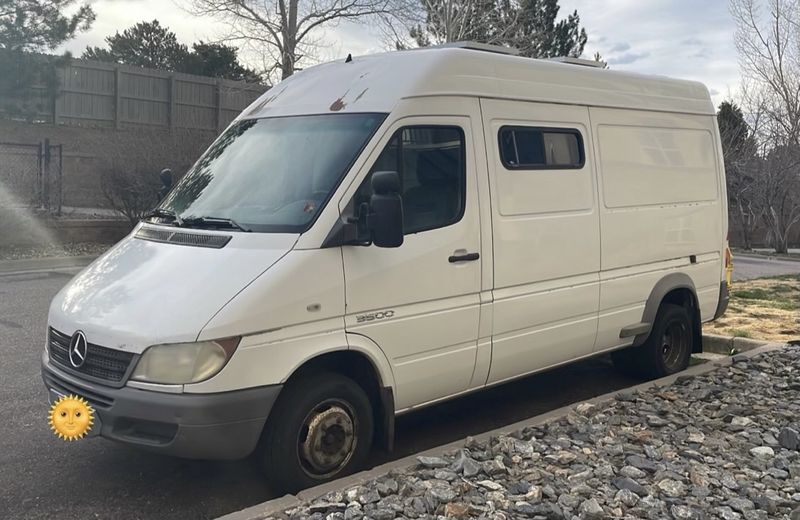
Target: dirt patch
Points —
{"points": [[767, 308]]}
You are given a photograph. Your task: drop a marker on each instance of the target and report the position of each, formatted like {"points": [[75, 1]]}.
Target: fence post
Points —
{"points": [[60, 178], [172, 95], [117, 98], [56, 89], [39, 172], [219, 106], [46, 176]]}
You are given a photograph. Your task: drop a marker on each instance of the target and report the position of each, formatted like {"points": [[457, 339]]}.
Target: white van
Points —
{"points": [[381, 233]]}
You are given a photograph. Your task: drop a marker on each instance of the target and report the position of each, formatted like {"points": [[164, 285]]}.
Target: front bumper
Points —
{"points": [[197, 426]]}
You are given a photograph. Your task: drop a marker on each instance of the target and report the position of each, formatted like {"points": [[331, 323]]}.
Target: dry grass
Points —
{"points": [[767, 308]]}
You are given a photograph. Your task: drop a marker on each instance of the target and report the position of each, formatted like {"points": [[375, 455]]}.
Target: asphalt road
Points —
{"points": [[42, 477], [747, 267]]}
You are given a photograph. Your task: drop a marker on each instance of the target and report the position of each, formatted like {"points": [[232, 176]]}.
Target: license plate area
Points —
{"points": [[54, 395]]}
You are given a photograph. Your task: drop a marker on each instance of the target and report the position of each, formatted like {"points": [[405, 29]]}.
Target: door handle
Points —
{"points": [[467, 257]]}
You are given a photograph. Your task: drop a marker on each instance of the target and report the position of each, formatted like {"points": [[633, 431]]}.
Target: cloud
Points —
{"points": [[620, 47], [684, 39], [628, 58]]}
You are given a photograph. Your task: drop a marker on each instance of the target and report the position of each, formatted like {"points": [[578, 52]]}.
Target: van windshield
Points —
{"points": [[272, 175]]}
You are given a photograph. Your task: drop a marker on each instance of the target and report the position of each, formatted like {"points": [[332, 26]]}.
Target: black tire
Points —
{"points": [[667, 349], [333, 406]]}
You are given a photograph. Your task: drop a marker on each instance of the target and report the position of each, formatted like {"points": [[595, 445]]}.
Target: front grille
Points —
{"points": [[102, 364]]}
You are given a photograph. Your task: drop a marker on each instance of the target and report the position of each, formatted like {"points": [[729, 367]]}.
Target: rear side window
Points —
{"points": [[532, 148]]}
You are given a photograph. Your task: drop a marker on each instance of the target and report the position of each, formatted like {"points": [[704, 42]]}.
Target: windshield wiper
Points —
{"points": [[165, 213], [214, 222]]}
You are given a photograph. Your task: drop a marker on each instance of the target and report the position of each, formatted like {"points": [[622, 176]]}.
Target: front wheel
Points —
{"points": [[320, 429], [667, 349]]}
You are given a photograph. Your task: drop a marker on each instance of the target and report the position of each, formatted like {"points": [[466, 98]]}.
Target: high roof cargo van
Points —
{"points": [[377, 234]]}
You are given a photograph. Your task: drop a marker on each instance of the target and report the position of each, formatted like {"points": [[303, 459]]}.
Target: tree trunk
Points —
{"points": [[287, 64], [747, 242]]}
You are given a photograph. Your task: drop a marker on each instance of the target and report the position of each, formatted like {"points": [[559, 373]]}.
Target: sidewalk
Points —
{"points": [[719, 440], [49, 263]]}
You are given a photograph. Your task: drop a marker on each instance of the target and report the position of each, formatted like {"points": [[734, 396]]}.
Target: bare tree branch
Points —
{"points": [[768, 41], [285, 30]]}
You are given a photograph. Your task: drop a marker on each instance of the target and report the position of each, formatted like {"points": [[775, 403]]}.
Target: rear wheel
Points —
{"points": [[320, 429], [667, 349]]}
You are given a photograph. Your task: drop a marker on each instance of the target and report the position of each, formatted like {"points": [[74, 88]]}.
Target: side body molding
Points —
{"points": [[663, 287]]}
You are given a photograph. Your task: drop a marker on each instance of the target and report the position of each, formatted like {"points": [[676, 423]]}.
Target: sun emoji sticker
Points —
{"points": [[71, 417]]}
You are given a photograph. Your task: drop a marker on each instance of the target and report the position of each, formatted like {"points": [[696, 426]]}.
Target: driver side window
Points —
{"points": [[430, 163]]}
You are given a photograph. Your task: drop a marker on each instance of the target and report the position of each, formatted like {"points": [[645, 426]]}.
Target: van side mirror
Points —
{"points": [[386, 210]]}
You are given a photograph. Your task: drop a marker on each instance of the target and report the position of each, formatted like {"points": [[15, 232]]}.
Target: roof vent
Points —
{"points": [[578, 61], [182, 238], [476, 46]]}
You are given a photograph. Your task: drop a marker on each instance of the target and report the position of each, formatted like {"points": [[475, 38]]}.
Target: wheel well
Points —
{"points": [[686, 298], [360, 369]]}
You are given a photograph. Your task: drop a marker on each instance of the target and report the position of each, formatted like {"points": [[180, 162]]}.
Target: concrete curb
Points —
{"points": [[48, 263], [726, 344], [275, 506]]}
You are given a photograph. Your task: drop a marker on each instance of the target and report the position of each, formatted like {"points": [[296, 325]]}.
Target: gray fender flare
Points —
{"points": [[663, 287]]}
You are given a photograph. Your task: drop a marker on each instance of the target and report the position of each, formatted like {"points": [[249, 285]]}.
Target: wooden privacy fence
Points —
{"points": [[118, 96]]}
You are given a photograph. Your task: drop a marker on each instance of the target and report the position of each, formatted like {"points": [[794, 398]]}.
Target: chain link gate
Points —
{"points": [[31, 175]]}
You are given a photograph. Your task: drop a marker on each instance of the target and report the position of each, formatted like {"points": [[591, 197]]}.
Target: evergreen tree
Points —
{"points": [[151, 45], [538, 35], [531, 26], [26, 28], [217, 61], [146, 44], [739, 152], [38, 25]]}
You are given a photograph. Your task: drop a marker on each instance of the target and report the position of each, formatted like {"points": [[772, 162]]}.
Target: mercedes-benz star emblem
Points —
{"points": [[78, 349]]}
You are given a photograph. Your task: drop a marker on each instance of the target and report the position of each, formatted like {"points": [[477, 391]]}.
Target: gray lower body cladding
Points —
{"points": [[222, 426]]}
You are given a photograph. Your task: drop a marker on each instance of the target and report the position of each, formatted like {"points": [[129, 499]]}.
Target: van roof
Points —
{"points": [[377, 82]]}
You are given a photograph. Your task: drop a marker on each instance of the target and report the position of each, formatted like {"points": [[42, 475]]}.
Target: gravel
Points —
{"points": [[73, 249], [720, 445]]}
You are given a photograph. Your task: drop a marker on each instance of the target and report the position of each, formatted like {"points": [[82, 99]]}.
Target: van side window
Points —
{"points": [[529, 148], [430, 162]]}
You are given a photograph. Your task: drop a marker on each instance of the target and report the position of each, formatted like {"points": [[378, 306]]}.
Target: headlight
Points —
{"points": [[182, 363]]}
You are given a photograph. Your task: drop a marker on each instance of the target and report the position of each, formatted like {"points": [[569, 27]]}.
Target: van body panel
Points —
{"points": [[659, 177], [627, 285], [365, 346], [421, 309], [142, 293], [303, 287], [546, 287], [376, 82], [274, 356]]}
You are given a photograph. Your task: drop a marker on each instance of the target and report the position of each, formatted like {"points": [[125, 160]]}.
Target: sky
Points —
{"points": [[690, 39]]}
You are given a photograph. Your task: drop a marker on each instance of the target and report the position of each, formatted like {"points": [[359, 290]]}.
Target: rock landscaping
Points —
{"points": [[723, 444]]}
